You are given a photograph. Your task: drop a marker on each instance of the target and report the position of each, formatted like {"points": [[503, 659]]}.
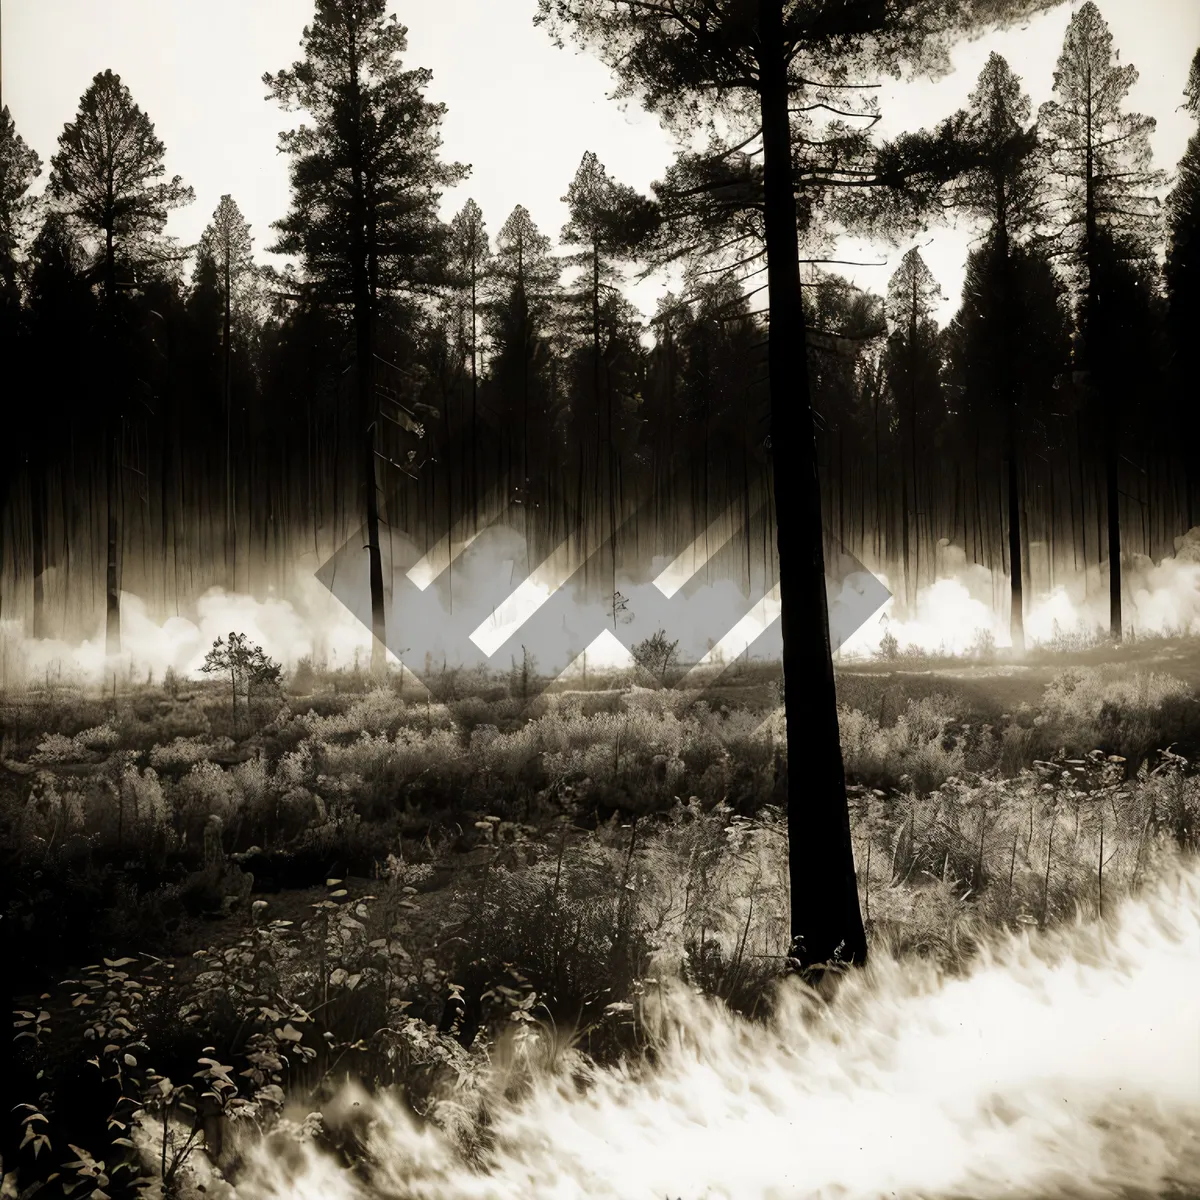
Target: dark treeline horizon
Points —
{"points": [[184, 419]]}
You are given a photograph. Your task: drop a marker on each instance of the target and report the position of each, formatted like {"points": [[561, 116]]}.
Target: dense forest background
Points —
{"points": [[183, 417]]}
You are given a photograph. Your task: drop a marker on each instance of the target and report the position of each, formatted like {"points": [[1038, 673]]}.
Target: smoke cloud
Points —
{"points": [[964, 610]]}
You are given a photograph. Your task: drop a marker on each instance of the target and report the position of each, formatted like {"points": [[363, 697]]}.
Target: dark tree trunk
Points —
{"points": [[1112, 480], [1009, 399], [826, 922], [37, 507], [230, 549], [367, 408], [364, 281], [1101, 387], [474, 456], [1083, 499], [1017, 623], [112, 627]]}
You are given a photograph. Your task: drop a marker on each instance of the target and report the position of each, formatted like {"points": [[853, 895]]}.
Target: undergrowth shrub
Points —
{"points": [[915, 751], [1132, 715]]}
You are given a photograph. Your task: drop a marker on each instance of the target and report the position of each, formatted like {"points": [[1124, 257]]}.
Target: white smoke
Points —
{"points": [[957, 614], [1064, 1065], [312, 624]]}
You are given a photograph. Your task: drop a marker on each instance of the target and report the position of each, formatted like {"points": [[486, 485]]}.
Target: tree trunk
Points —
{"points": [[364, 281], [230, 551], [826, 921], [1102, 387], [37, 507], [1116, 626], [474, 396], [1083, 499], [112, 627], [1010, 398], [1017, 620], [367, 408]]}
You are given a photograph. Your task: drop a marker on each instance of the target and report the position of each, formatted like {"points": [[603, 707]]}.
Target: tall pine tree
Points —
{"points": [[105, 179], [523, 298], [469, 257], [1106, 222], [1002, 187], [366, 182], [760, 65], [225, 247], [913, 371], [1182, 274], [19, 167]]}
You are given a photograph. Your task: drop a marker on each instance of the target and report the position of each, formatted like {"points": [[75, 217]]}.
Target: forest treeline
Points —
{"points": [[184, 416]]}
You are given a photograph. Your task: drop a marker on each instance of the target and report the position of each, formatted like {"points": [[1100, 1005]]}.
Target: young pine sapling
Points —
{"points": [[247, 667]]}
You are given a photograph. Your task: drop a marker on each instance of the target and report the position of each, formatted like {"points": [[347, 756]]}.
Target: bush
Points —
{"points": [[303, 679], [914, 752], [1131, 716]]}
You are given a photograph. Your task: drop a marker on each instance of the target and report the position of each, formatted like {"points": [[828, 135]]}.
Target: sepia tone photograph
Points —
{"points": [[600, 599]]}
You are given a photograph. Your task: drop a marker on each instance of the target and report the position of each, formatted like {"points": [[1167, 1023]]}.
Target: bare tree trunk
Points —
{"points": [[112, 627], [1083, 498], [1017, 621], [230, 550], [825, 916], [474, 397], [375, 564], [1112, 480], [37, 512], [904, 522], [364, 280]]}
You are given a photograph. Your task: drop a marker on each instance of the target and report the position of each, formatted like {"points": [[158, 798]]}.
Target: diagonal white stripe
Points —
{"points": [[530, 595], [764, 614], [709, 543], [451, 546], [767, 724], [605, 653]]}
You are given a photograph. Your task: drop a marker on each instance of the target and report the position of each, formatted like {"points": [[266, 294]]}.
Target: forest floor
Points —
{"points": [[992, 689], [542, 859]]}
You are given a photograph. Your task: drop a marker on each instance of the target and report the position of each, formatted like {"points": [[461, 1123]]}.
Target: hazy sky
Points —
{"points": [[521, 112]]}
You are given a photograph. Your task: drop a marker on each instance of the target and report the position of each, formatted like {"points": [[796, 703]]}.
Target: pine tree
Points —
{"points": [[104, 179], [469, 259], [523, 298], [755, 64], [1106, 217], [1003, 187], [602, 214], [19, 167], [1011, 332], [225, 248], [600, 211], [1182, 276], [913, 370], [366, 182]]}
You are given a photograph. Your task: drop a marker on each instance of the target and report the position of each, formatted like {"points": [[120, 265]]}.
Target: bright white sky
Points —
{"points": [[520, 111]]}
